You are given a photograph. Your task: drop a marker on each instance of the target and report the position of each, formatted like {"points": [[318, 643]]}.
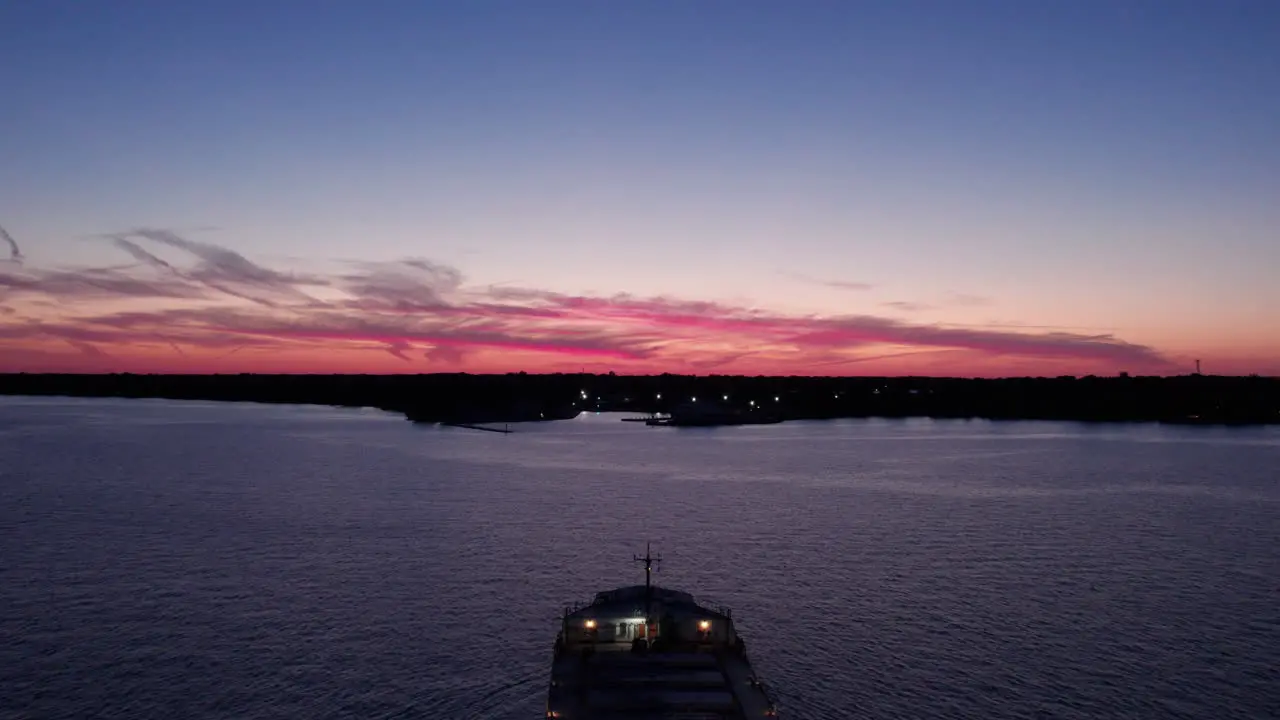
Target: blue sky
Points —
{"points": [[1101, 164]]}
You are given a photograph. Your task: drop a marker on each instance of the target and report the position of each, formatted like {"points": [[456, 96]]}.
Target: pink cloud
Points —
{"points": [[210, 300]]}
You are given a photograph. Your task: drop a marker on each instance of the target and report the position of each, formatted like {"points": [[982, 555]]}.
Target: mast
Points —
{"points": [[648, 561]]}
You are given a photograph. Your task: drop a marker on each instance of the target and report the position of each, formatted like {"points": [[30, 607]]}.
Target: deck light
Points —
{"points": [[704, 625], [591, 624]]}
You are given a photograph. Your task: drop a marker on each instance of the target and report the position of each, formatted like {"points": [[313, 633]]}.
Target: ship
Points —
{"points": [[712, 414], [644, 652]]}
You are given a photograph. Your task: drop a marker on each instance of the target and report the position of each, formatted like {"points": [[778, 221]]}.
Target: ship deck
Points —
{"points": [[685, 683]]}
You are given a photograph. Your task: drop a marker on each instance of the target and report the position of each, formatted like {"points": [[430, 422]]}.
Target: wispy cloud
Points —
{"points": [[142, 255], [837, 284], [15, 252], [218, 268], [949, 299], [886, 356], [906, 306], [398, 350], [87, 348], [95, 284], [422, 312], [445, 355], [405, 286]]}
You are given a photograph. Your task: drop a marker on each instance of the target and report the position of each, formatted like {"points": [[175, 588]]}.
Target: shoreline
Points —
{"points": [[486, 399]]}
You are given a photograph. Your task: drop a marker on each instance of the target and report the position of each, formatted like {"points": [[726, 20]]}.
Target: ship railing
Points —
{"points": [[768, 694], [724, 610], [575, 607], [713, 604]]}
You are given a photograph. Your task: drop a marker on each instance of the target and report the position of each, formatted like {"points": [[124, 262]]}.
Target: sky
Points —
{"points": [[902, 187]]}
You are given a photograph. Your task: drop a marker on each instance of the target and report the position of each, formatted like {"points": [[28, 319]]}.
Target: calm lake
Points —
{"points": [[198, 560]]}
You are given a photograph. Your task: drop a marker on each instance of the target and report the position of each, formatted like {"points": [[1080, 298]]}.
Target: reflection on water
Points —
{"points": [[201, 560]]}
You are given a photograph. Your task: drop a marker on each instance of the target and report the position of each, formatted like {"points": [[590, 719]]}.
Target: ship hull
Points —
{"points": [[652, 652]]}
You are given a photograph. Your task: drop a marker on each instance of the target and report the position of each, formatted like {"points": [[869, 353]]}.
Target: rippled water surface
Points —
{"points": [[190, 560]]}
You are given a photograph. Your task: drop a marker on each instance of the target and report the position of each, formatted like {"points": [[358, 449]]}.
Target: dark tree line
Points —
{"points": [[518, 397]]}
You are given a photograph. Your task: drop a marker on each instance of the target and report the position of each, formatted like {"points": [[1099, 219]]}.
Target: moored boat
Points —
{"points": [[712, 414]]}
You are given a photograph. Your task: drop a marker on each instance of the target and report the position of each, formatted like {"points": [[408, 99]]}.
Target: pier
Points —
{"points": [[468, 426]]}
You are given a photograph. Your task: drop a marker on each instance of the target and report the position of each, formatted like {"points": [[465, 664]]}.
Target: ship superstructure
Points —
{"points": [[645, 652]]}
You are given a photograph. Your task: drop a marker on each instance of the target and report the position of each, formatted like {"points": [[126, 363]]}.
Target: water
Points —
{"points": [[196, 560]]}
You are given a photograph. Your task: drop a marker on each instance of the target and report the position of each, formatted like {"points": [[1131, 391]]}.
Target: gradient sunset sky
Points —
{"points": [[696, 186]]}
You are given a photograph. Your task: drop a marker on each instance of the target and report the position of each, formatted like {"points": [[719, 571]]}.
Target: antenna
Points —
{"points": [[648, 561], [1197, 367]]}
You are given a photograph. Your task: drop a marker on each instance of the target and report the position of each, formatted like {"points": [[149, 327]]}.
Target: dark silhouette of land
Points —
{"points": [[517, 397]]}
